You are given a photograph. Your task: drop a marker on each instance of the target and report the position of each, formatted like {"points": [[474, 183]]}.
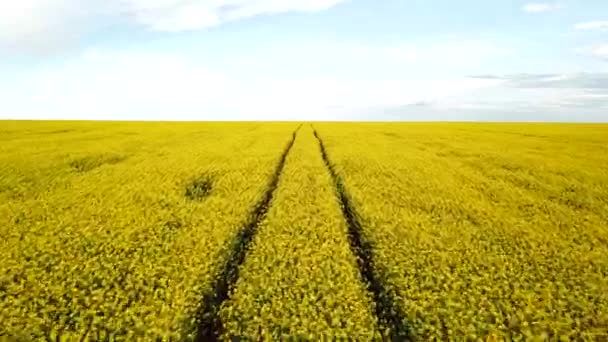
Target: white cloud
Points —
{"points": [[561, 97], [175, 15], [598, 51], [41, 25], [541, 7], [137, 85], [110, 85], [592, 25], [507, 103], [50, 24], [597, 80]]}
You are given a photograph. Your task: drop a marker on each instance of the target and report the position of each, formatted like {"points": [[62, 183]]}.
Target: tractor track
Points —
{"points": [[389, 314], [210, 325]]}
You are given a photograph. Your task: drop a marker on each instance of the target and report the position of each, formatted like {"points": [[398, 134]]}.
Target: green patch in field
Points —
{"points": [[172, 226], [89, 163], [200, 187]]}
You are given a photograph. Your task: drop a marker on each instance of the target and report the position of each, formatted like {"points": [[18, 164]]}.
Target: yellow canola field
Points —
{"points": [[117, 230], [121, 230], [300, 280], [496, 231]]}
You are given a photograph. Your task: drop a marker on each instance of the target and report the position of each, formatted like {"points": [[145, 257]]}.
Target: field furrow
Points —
{"points": [[391, 317], [300, 280], [466, 251], [210, 325], [123, 251]]}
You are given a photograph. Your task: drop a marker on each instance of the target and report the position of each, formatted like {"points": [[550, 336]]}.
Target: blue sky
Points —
{"points": [[406, 60]]}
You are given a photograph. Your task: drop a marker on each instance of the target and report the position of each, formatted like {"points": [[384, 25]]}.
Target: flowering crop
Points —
{"points": [[99, 236], [484, 230]]}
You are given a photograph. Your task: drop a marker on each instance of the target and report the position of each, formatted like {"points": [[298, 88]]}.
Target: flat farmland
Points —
{"points": [[306, 231]]}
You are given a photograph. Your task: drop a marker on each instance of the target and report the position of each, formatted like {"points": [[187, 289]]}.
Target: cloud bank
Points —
{"points": [[175, 15], [141, 85], [136, 85], [46, 25], [534, 97]]}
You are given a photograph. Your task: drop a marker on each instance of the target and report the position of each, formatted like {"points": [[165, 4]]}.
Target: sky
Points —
{"points": [[389, 60]]}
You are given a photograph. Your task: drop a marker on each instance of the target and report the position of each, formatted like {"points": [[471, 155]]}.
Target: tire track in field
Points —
{"points": [[210, 324], [390, 316]]}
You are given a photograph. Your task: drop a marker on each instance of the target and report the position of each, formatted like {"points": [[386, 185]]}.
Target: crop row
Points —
{"points": [[472, 232], [119, 250]]}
